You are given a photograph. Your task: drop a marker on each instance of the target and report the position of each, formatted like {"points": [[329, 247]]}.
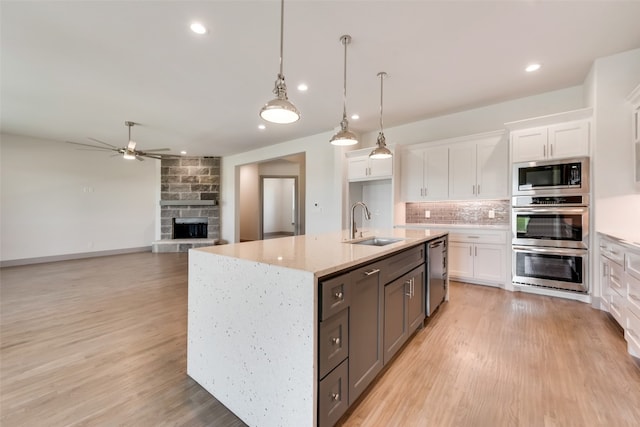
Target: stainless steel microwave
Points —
{"points": [[549, 177]]}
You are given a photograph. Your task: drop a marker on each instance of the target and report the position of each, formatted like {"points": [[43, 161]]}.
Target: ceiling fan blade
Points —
{"points": [[139, 158], [89, 145], [157, 149], [102, 142]]}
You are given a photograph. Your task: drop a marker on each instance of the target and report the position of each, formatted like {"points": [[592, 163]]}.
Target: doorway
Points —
{"points": [[279, 206]]}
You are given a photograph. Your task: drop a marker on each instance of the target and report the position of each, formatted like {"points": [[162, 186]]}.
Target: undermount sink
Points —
{"points": [[377, 241]]}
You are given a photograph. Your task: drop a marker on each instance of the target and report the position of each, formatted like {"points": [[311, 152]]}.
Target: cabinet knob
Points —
{"points": [[335, 341], [338, 295], [335, 397]]}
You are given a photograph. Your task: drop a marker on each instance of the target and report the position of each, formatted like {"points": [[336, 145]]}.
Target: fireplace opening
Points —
{"points": [[190, 228]]}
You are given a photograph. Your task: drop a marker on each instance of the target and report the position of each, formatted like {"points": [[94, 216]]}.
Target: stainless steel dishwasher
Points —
{"points": [[437, 276]]}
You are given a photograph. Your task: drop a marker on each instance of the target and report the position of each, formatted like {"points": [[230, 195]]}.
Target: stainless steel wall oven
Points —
{"points": [[550, 241]]}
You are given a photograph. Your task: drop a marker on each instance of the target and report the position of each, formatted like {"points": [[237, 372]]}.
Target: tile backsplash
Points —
{"points": [[459, 212]]}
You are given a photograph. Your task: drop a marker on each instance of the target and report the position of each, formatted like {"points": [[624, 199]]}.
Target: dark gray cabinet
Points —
{"points": [[365, 329], [365, 316], [404, 309]]}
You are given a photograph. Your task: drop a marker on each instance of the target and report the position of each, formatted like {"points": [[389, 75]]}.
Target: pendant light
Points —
{"points": [[381, 151], [280, 109], [344, 136]]}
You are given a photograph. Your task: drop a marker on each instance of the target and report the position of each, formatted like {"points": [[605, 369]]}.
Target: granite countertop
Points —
{"points": [[324, 253]]}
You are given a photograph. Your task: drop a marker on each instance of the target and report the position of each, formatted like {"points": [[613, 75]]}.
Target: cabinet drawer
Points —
{"points": [[399, 264], [632, 331], [612, 250], [633, 297], [333, 398], [632, 264], [334, 342], [335, 295], [618, 310], [499, 237], [616, 280]]}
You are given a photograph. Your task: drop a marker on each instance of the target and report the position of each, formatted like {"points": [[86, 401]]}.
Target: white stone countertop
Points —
{"points": [[324, 253], [632, 241]]}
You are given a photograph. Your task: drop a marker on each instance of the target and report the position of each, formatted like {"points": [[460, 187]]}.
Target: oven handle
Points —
{"points": [[549, 210], [545, 250]]}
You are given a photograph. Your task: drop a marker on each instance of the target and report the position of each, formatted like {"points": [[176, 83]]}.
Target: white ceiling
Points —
{"points": [[77, 69]]}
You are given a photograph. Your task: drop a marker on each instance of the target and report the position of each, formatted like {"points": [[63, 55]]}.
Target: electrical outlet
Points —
{"points": [[492, 213], [427, 214]]}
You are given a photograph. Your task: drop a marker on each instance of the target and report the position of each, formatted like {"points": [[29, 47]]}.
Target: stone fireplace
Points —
{"points": [[189, 213]]}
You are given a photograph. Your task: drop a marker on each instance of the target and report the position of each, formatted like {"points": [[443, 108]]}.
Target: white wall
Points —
{"points": [[617, 196], [249, 202], [57, 200], [322, 183]]}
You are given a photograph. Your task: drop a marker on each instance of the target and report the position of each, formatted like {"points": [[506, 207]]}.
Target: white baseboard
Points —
{"points": [[66, 257]]}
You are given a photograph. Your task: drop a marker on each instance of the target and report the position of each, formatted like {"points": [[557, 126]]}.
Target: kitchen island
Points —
{"points": [[255, 316]]}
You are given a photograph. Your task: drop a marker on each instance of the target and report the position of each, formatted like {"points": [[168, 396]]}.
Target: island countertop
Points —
{"points": [[324, 253]]}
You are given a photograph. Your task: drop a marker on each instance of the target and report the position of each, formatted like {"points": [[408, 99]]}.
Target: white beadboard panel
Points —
{"points": [[251, 338]]}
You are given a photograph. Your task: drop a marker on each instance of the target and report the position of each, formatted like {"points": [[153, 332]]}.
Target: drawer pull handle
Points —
{"points": [[372, 272], [338, 296], [633, 297], [473, 237], [335, 397], [335, 341]]}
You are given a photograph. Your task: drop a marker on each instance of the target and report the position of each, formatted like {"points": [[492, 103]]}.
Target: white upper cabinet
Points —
{"points": [[479, 168], [634, 100], [551, 137], [425, 174], [469, 167], [361, 168]]}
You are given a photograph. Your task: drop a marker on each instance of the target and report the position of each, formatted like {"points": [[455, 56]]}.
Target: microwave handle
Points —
{"points": [[549, 210]]}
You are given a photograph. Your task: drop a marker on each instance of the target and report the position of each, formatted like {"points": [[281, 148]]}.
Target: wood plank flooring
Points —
{"points": [[102, 342]]}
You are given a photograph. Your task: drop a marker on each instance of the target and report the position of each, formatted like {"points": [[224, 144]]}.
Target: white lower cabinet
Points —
{"points": [[620, 287], [478, 257]]}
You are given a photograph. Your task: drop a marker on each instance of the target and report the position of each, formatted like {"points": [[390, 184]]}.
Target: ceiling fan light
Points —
{"points": [[129, 156]]}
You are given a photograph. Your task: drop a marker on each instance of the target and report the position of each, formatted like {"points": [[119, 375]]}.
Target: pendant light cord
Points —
{"points": [[281, 76], [382, 75], [345, 41]]}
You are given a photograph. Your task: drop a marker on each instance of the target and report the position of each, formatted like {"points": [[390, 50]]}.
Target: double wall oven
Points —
{"points": [[550, 224]]}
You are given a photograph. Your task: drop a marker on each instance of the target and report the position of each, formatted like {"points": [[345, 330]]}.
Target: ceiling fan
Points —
{"points": [[129, 152]]}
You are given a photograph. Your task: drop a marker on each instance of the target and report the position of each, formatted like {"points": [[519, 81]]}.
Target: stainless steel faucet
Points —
{"points": [[367, 215]]}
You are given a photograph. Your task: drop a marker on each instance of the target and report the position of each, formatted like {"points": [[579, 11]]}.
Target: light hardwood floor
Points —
{"points": [[103, 342]]}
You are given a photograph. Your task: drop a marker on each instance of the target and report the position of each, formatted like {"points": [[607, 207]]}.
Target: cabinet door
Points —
{"points": [[462, 171], [395, 317], [489, 262], [568, 140], [436, 173], [365, 329], [380, 168], [416, 299], [357, 167], [460, 260], [492, 168], [411, 178], [529, 144]]}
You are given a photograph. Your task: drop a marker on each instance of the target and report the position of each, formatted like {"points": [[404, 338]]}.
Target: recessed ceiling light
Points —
{"points": [[532, 67], [302, 87], [198, 28], [262, 127], [183, 152], [355, 116]]}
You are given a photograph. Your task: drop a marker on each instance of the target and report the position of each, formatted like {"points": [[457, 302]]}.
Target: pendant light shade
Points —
{"points": [[280, 109], [381, 151], [344, 136]]}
